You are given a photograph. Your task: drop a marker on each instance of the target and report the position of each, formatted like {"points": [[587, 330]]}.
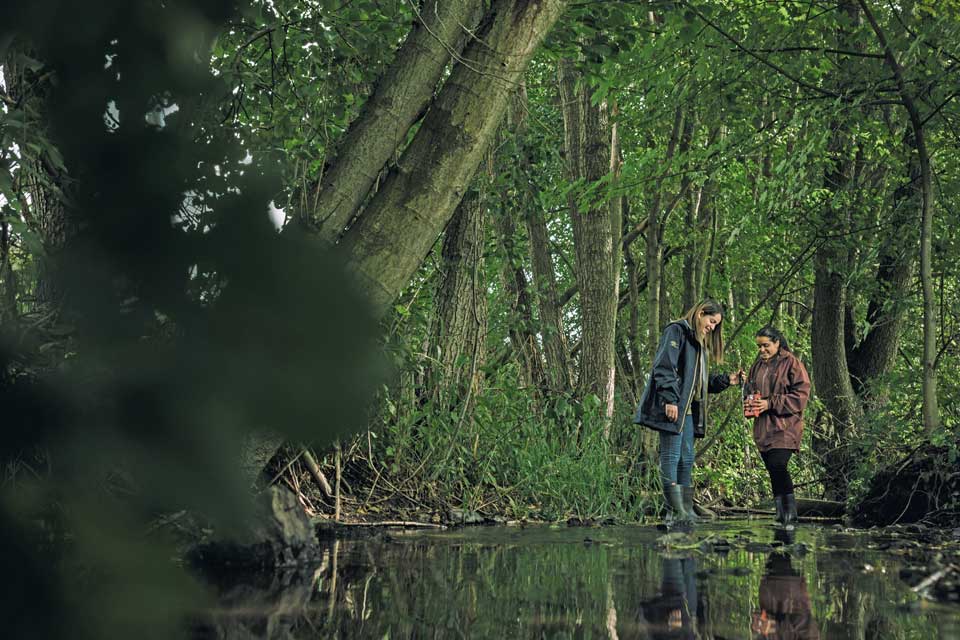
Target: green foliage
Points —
{"points": [[510, 455], [192, 324], [185, 335]]}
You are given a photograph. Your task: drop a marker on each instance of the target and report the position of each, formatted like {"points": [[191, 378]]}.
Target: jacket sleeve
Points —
{"points": [[718, 382], [665, 365], [750, 384], [793, 399]]}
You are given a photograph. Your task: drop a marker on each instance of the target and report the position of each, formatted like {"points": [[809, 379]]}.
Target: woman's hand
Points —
{"points": [[760, 404], [737, 377], [672, 412]]}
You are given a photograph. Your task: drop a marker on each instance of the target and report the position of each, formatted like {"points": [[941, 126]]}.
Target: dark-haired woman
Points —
{"points": [[674, 401], [778, 388]]}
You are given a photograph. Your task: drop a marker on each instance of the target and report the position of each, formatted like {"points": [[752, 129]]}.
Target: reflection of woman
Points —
{"points": [[673, 613], [674, 401], [779, 388], [784, 611]]}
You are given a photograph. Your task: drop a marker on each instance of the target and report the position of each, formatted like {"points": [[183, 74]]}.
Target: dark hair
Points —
{"points": [[774, 334], [714, 344]]}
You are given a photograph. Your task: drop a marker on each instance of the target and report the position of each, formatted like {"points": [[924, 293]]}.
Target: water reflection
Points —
{"points": [[673, 612], [610, 583], [784, 611]]}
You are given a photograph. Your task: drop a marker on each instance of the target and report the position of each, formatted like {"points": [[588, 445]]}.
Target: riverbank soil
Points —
{"points": [[923, 486]]}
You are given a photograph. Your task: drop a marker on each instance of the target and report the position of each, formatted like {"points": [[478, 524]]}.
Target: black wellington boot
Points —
{"points": [[781, 509], [687, 493], [676, 514], [790, 510]]}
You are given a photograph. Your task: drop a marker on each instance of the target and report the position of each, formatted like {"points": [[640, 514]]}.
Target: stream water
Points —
{"points": [[729, 579]]}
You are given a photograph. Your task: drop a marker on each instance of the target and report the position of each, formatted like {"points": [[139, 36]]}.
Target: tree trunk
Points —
{"points": [[874, 355], [398, 101], [931, 411], [552, 331], [694, 248], [633, 297], [830, 370], [8, 281], [520, 320], [460, 328], [400, 224], [41, 184], [654, 256], [588, 159]]}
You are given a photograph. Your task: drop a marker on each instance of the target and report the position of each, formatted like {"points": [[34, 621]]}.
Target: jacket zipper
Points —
{"points": [[683, 419]]}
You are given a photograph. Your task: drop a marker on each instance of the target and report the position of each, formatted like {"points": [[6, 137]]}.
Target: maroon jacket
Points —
{"points": [[784, 606], [784, 382]]}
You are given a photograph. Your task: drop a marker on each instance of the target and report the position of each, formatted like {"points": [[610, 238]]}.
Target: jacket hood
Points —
{"points": [[686, 326]]}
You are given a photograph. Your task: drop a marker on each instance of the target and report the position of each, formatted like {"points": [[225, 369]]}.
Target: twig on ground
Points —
{"points": [[318, 476], [394, 523]]}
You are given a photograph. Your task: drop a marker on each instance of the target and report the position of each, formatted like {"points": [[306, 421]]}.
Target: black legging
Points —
{"points": [[776, 462]]}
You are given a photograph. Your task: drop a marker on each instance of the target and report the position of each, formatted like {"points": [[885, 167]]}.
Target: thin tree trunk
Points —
{"points": [[931, 411], [520, 321], [400, 224], [8, 281], [633, 297], [544, 277], [398, 101], [666, 312], [654, 255], [691, 257]]}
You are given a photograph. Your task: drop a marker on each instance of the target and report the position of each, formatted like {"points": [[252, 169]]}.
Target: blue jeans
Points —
{"points": [[676, 455]]}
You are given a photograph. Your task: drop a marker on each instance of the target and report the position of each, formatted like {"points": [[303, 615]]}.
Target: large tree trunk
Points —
{"points": [[830, 370], [588, 159], [399, 100], [389, 241], [460, 327], [875, 354]]}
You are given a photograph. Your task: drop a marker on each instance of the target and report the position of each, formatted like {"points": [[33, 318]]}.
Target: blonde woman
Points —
{"points": [[674, 401]]}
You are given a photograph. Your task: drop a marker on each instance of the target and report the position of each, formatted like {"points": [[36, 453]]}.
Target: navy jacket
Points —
{"points": [[671, 382]]}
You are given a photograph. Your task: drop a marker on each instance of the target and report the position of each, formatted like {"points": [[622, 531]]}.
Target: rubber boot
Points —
{"points": [[687, 493], [790, 511], [781, 509], [676, 515]]}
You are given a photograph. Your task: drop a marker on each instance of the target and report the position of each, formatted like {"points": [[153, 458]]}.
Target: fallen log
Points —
{"points": [[806, 508]]}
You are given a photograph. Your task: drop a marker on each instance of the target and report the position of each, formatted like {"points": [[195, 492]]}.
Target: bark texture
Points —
{"points": [[400, 224], [597, 251], [552, 334], [399, 100], [460, 329], [830, 369], [875, 354]]}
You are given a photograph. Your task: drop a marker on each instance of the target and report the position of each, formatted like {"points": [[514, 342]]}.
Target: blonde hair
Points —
{"points": [[714, 343]]}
